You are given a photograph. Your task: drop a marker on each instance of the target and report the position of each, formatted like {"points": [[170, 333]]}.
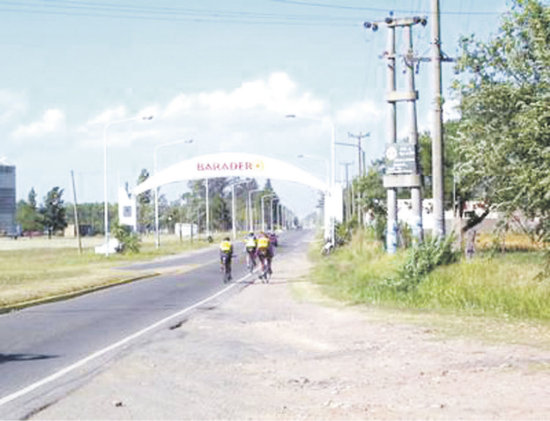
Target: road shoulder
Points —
{"points": [[269, 353]]}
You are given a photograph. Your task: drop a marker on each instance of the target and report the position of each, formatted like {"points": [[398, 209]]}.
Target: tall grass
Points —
{"points": [[503, 285]]}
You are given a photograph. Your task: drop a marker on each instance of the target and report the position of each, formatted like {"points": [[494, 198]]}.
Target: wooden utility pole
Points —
{"points": [[360, 154], [75, 210]]}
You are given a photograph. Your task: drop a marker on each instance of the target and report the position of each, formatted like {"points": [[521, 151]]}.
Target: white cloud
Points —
{"points": [[11, 105], [359, 113], [52, 121], [277, 94], [108, 115], [243, 117]]}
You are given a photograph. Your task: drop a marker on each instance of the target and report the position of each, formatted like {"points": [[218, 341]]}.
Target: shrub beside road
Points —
{"points": [[492, 283]]}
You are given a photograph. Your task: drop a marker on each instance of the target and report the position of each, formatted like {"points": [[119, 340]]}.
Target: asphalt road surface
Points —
{"points": [[47, 349]]}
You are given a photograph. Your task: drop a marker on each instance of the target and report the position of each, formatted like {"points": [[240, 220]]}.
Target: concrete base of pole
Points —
{"points": [[417, 228], [392, 224]]}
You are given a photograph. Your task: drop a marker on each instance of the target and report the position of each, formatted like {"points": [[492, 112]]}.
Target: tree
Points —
{"points": [[28, 215], [53, 211], [370, 189], [219, 205], [504, 133]]}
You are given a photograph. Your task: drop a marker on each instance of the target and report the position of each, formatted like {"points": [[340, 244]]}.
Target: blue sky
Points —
{"points": [[223, 73]]}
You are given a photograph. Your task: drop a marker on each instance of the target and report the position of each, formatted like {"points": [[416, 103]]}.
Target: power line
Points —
{"points": [[95, 6], [376, 9], [90, 9]]}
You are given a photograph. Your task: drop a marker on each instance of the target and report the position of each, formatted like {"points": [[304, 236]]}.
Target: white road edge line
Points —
{"points": [[118, 344]]}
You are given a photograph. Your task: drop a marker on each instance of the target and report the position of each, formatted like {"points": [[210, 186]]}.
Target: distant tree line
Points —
{"points": [[53, 215]]}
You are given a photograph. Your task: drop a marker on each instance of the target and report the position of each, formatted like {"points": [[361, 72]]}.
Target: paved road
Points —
{"points": [[40, 342]]}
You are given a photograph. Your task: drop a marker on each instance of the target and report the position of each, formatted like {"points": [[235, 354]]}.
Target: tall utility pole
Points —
{"points": [[416, 193], [402, 169], [391, 192], [361, 156], [437, 137]]}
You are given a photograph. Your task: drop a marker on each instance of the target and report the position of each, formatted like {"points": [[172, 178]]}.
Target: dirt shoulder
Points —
{"points": [[278, 351]]}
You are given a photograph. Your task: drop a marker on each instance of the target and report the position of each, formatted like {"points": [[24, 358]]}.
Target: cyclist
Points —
{"points": [[250, 245], [226, 253], [265, 254]]}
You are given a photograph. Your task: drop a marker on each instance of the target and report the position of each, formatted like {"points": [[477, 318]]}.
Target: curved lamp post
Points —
{"points": [[233, 210], [251, 208], [263, 211], [105, 200], [332, 163]]}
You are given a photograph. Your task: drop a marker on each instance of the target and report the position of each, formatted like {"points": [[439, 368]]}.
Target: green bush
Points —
{"points": [[422, 259], [129, 240]]}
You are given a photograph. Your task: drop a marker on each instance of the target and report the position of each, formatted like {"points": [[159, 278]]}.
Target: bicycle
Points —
{"points": [[266, 271], [327, 248], [250, 261], [226, 268]]}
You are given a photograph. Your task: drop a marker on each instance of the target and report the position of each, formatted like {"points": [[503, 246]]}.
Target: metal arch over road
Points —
{"points": [[231, 165]]}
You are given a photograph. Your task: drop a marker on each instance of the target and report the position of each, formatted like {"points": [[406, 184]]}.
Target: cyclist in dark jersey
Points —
{"points": [[265, 253]]}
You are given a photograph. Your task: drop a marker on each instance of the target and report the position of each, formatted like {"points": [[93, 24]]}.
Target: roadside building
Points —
{"points": [[7, 199]]}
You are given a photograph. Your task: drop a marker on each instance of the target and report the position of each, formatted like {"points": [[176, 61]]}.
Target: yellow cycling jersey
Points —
{"points": [[225, 246], [250, 242], [263, 243]]}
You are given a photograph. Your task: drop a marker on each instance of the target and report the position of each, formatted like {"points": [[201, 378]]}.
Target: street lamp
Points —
{"points": [[175, 142], [263, 211], [251, 209], [331, 221], [332, 142], [233, 210], [271, 213], [106, 206]]}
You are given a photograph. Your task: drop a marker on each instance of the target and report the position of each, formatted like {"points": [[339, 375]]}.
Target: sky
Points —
{"points": [[223, 73]]}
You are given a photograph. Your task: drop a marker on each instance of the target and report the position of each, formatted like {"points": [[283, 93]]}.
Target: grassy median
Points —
{"points": [[40, 269]]}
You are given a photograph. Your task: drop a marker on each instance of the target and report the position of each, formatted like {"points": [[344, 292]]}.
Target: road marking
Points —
{"points": [[112, 347]]}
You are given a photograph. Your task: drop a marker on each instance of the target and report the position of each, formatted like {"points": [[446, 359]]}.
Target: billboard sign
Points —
{"points": [[401, 158]]}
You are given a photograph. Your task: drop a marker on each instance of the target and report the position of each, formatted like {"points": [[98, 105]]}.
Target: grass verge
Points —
{"points": [[37, 272], [502, 286]]}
